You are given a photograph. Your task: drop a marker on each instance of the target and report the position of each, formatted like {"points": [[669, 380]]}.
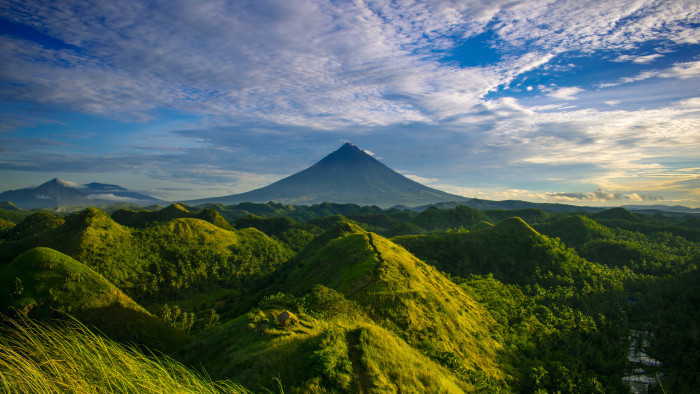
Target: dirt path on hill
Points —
{"points": [[375, 273], [361, 378]]}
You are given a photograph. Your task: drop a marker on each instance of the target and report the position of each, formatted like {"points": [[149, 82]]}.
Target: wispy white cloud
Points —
{"points": [[591, 25], [369, 152], [305, 62], [296, 70], [567, 93], [112, 198], [602, 195], [419, 179], [645, 59], [683, 70]]}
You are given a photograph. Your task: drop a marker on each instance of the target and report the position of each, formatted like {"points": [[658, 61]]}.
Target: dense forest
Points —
{"points": [[345, 298]]}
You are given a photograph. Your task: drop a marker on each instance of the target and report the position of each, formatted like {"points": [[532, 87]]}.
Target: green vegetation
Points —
{"points": [[68, 357], [437, 219], [283, 228], [558, 312], [12, 213], [159, 261], [329, 345], [403, 295], [142, 218], [44, 279], [317, 299], [35, 224], [43, 283], [193, 255], [5, 227]]}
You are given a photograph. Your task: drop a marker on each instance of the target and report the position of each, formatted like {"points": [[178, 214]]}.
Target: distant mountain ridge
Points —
{"points": [[665, 208], [58, 193], [348, 175]]}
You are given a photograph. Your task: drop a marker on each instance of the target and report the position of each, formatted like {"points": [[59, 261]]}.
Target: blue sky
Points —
{"points": [[581, 102]]}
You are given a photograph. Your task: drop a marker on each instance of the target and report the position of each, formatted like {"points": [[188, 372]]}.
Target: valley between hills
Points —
{"points": [[268, 297]]}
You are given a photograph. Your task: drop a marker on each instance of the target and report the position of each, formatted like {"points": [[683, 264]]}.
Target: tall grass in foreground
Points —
{"points": [[67, 357]]}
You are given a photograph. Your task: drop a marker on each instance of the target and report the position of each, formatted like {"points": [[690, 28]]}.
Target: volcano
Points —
{"points": [[348, 175], [58, 193]]}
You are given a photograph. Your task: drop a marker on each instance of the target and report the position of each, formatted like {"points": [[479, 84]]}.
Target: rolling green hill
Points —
{"points": [[90, 237], [34, 224], [5, 227], [162, 259], [443, 219], [314, 299], [652, 250], [195, 254], [402, 294], [43, 281], [370, 317], [514, 253], [575, 230], [142, 218], [282, 228], [314, 354], [561, 313]]}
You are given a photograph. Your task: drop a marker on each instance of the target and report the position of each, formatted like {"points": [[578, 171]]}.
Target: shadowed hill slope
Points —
{"points": [[132, 218], [575, 230], [514, 253], [35, 223]]}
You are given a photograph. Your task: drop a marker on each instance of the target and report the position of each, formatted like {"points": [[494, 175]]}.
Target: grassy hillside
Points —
{"points": [[442, 219], [283, 228], [369, 317], [458, 305], [515, 253], [300, 213], [325, 348], [619, 218], [5, 227], [43, 281], [162, 259], [404, 295], [649, 252], [142, 218], [575, 230], [34, 224], [575, 303], [12, 213], [89, 236], [199, 254]]}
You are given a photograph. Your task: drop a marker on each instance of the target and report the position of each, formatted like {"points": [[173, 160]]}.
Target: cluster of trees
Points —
{"points": [[160, 262]]}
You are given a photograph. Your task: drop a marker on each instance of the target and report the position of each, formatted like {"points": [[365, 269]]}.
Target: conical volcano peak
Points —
{"points": [[350, 145], [348, 150], [347, 175]]}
